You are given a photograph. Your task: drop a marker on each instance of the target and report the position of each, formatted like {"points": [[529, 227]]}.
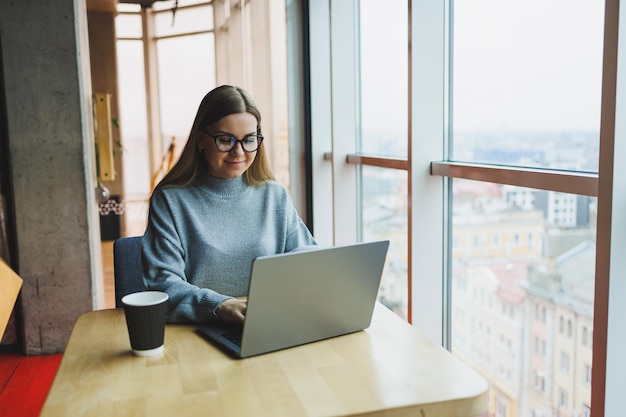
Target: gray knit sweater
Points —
{"points": [[201, 240]]}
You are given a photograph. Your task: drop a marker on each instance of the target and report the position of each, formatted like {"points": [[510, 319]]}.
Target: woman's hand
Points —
{"points": [[232, 310]]}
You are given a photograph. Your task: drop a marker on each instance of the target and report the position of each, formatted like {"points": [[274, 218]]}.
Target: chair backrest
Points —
{"points": [[127, 267], [10, 284]]}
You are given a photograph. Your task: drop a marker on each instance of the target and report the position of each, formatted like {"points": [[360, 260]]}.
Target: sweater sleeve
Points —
{"points": [[164, 268], [298, 234]]}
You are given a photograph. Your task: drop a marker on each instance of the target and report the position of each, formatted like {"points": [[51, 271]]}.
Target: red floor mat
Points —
{"points": [[25, 382]]}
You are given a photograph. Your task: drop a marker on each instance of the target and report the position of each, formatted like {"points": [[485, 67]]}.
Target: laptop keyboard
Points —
{"points": [[234, 337]]}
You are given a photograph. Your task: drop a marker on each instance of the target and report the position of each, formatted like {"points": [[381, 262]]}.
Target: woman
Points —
{"points": [[216, 210]]}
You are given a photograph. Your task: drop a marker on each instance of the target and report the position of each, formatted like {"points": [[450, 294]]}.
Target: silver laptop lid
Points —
{"points": [[305, 296]]}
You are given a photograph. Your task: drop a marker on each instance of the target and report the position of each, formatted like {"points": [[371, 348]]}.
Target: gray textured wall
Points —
{"points": [[46, 70]]}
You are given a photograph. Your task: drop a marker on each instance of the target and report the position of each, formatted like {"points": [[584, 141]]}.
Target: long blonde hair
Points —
{"points": [[216, 104]]}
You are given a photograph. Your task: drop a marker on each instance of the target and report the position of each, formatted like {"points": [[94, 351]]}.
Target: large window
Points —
{"points": [[383, 71], [179, 46], [523, 260], [509, 126], [385, 214], [526, 82], [133, 118], [383, 132], [360, 132], [523, 267]]}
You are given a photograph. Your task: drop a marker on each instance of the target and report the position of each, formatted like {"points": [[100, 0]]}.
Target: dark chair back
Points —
{"points": [[127, 267]]}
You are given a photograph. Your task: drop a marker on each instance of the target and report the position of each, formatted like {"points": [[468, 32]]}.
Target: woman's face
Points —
{"points": [[234, 163]]}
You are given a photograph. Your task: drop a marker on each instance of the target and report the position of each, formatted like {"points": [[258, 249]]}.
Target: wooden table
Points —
{"points": [[390, 370]]}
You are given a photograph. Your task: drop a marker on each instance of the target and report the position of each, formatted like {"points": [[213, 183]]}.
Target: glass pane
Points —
{"points": [[384, 77], [523, 270], [127, 6], [128, 26], [527, 82], [182, 90], [184, 21], [134, 134], [384, 216]]}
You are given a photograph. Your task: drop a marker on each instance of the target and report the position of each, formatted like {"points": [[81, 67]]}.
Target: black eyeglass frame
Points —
{"points": [[234, 141]]}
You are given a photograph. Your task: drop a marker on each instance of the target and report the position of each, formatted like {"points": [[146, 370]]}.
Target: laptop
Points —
{"points": [[305, 296]]}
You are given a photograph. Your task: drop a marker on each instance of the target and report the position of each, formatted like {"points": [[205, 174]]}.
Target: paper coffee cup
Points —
{"points": [[145, 319]]}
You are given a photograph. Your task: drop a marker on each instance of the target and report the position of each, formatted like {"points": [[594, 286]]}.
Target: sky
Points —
{"points": [[532, 64], [516, 65]]}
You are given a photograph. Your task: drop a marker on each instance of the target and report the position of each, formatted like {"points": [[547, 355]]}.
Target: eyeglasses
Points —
{"points": [[226, 143]]}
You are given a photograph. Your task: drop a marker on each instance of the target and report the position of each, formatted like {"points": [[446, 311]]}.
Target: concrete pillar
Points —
{"points": [[48, 92]]}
